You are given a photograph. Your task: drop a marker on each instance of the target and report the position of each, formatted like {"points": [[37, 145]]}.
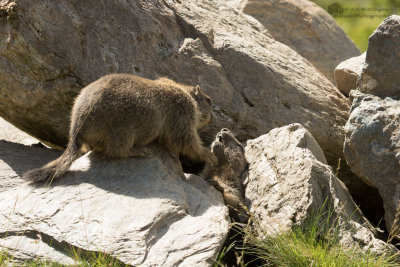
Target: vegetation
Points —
{"points": [[89, 259], [316, 243], [359, 18]]}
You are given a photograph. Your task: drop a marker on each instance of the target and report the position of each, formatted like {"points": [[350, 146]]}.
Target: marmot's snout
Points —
{"points": [[227, 139], [223, 135]]}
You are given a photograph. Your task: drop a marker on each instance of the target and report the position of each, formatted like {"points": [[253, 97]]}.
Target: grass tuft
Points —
{"points": [[87, 259], [315, 243]]}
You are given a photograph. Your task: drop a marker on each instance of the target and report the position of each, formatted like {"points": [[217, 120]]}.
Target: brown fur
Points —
{"points": [[226, 175], [119, 114]]}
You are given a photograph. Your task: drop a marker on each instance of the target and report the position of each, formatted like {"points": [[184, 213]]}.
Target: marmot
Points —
{"points": [[225, 176], [119, 114]]}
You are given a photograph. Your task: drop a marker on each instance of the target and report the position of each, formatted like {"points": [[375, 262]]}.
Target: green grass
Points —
{"points": [[359, 23], [305, 247], [316, 243], [88, 259]]}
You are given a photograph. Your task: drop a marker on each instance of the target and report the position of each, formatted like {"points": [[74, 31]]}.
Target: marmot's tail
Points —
{"points": [[56, 168]]}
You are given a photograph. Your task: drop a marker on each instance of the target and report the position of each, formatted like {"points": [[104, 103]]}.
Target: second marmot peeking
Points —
{"points": [[119, 114], [226, 175]]}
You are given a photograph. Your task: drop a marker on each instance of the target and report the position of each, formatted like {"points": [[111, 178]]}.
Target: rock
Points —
{"points": [[348, 72], [306, 28], [139, 211], [16, 159], [256, 83], [381, 74], [12, 134], [289, 182], [23, 248], [372, 146], [13, 157]]}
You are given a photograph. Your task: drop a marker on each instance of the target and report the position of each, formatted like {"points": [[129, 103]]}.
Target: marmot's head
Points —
{"points": [[204, 106], [229, 151]]}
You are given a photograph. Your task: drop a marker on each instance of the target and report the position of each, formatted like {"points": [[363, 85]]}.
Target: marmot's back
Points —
{"points": [[121, 103], [119, 114]]}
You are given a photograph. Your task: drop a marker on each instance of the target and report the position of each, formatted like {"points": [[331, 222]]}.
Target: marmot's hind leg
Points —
{"points": [[117, 148], [140, 151], [120, 148]]}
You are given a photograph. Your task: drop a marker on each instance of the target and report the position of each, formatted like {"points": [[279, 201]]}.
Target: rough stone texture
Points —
{"points": [[348, 72], [24, 248], [306, 28], [289, 180], [140, 211], [256, 83], [15, 159], [372, 146], [12, 134], [381, 74]]}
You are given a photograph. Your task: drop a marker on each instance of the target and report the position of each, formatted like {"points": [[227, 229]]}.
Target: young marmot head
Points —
{"points": [[229, 151], [226, 176]]}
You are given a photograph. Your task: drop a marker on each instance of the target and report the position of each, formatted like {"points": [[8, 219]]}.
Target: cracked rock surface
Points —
{"points": [[140, 211], [372, 146], [289, 182], [23, 248], [256, 82], [15, 159]]}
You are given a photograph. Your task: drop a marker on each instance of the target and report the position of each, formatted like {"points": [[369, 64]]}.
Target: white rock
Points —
{"points": [[16, 159], [348, 72], [23, 248], [140, 211], [289, 183]]}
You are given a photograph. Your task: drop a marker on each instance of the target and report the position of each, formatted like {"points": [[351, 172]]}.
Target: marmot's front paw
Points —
{"points": [[211, 158]]}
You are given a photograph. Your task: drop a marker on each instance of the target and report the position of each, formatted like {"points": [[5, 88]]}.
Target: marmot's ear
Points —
{"points": [[197, 90]]}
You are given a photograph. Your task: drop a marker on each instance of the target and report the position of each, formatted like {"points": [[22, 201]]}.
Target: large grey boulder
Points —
{"points": [[381, 74], [348, 72], [372, 146], [306, 28], [289, 182], [140, 211], [256, 83]]}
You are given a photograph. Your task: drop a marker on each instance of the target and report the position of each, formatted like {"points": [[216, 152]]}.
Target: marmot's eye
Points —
{"points": [[209, 100]]}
